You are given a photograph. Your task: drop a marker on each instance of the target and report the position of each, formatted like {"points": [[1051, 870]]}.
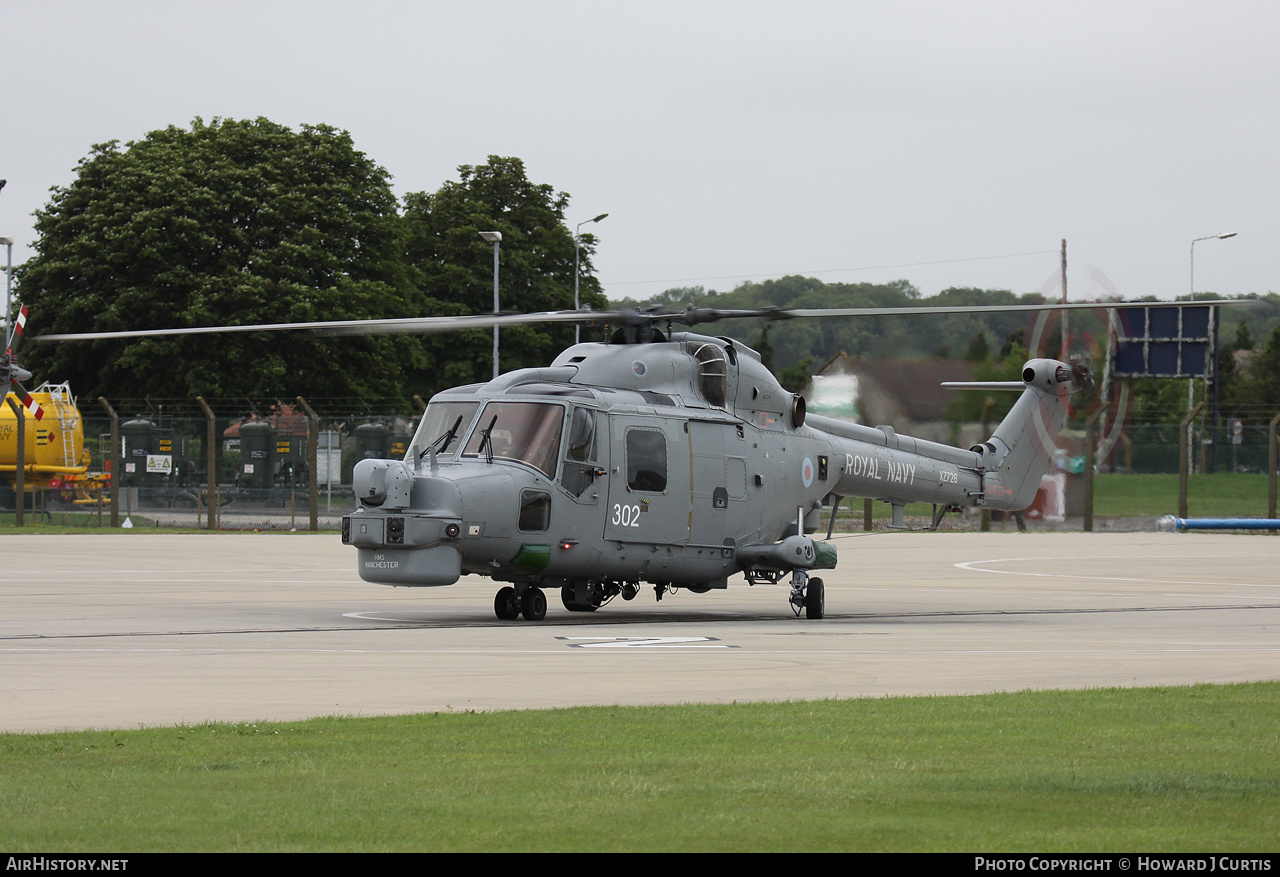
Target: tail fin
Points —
{"points": [[1020, 450]]}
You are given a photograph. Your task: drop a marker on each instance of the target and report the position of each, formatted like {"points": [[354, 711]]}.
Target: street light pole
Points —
{"points": [[495, 238], [1191, 382], [577, 237], [8, 281], [1221, 237]]}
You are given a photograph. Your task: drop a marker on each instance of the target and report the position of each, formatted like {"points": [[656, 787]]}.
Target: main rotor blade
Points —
{"points": [[402, 326], [796, 313], [690, 316]]}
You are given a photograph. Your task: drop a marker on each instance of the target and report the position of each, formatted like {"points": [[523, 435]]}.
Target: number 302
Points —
{"points": [[626, 515]]}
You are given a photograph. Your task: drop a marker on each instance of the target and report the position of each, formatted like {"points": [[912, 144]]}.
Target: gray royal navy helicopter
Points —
{"points": [[671, 459]]}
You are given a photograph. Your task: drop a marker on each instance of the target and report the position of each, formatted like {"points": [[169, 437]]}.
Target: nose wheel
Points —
{"points": [[807, 595], [509, 605]]}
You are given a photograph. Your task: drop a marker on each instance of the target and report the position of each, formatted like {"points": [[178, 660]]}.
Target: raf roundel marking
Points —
{"points": [[806, 472]]}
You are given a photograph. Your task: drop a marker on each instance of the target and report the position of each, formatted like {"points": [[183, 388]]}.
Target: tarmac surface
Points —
{"points": [[141, 629]]}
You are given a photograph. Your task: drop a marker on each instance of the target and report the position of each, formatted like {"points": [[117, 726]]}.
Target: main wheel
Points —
{"points": [[814, 599], [505, 604], [534, 604]]}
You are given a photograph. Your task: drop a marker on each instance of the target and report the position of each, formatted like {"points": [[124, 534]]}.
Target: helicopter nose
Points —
{"points": [[400, 544]]}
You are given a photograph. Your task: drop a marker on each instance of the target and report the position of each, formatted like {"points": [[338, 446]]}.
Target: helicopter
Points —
{"points": [[668, 458], [51, 451]]}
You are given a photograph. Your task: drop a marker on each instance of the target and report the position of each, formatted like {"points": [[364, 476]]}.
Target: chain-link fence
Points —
{"points": [[264, 466], [264, 470], [1154, 447]]}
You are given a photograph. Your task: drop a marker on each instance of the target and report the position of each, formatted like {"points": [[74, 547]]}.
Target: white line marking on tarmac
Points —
{"points": [[646, 642], [972, 566]]}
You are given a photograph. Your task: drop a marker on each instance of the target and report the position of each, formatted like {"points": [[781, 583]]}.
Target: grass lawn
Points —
{"points": [[1170, 769], [1221, 495]]}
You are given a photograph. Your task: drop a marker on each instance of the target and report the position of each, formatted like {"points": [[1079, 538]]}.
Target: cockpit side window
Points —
{"points": [[579, 471], [582, 435]]}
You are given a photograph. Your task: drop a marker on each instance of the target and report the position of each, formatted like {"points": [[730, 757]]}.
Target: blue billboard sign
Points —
{"points": [[1165, 341]]}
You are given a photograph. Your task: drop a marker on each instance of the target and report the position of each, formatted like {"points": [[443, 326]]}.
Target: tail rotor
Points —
{"points": [[13, 373]]}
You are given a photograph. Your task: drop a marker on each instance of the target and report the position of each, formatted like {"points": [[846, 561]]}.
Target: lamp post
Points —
{"points": [[495, 238], [1221, 237], [8, 280], [1191, 382], [577, 237]]}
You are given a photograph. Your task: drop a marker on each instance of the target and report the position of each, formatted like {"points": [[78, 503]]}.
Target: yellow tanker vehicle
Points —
{"points": [[54, 456]]}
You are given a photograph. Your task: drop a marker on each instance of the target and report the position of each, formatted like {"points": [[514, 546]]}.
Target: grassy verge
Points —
{"points": [[1221, 495], [1194, 768]]}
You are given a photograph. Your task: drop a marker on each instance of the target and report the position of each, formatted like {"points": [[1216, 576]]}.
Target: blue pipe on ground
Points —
{"points": [[1170, 523]]}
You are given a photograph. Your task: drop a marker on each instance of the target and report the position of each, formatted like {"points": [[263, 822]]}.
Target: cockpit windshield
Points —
{"points": [[528, 432], [436, 426]]}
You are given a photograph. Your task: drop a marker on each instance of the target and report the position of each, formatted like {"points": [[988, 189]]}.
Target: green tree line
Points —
{"points": [[242, 222], [996, 344]]}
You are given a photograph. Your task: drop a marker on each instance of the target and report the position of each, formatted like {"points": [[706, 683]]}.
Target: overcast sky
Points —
{"points": [[948, 144]]}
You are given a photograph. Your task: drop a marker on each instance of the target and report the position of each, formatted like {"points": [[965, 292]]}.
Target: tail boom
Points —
{"points": [[1000, 473]]}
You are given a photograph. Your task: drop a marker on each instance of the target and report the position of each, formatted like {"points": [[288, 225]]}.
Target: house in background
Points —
{"points": [[903, 393]]}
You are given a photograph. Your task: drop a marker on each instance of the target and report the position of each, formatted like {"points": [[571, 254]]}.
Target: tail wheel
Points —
{"points": [[534, 604], [814, 599], [506, 605]]}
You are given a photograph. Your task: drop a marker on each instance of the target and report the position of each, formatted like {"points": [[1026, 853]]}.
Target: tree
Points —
{"points": [[1235, 390], [230, 222], [1262, 387], [452, 266], [979, 350], [971, 404]]}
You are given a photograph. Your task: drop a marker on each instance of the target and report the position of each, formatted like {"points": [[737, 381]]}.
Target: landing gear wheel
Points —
{"points": [[505, 605], [814, 599], [534, 604]]}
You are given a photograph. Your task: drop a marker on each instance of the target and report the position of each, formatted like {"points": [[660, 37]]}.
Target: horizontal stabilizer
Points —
{"points": [[984, 385]]}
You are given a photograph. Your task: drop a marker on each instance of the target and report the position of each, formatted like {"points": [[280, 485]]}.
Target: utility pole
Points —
{"points": [[1064, 300]]}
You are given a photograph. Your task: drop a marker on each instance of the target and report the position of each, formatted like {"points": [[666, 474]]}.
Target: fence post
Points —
{"points": [[313, 487], [19, 487], [1184, 457], [1090, 454], [1273, 453], [211, 464], [113, 461]]}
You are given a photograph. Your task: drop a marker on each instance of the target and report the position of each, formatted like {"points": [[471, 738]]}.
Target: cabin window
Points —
{"points": [[535, 511], [646, 460]]}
